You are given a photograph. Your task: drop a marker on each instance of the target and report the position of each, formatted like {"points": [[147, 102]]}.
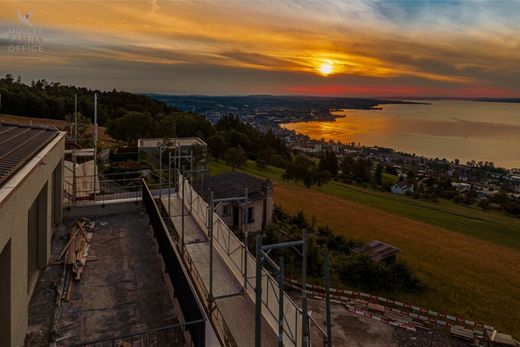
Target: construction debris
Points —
{"points": [[76, 250], [499, 339], [74, 257]]}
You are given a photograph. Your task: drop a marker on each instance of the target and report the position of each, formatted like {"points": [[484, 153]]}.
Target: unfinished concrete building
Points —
{"points": [[31, 188]]}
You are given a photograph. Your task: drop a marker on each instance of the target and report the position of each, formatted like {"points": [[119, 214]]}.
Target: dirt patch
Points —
{"points": [[350, 329]]}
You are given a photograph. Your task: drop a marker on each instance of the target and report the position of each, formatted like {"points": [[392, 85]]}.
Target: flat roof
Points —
{"points": [[18, 144], [121, 291], [232, 184], [174, 142]]}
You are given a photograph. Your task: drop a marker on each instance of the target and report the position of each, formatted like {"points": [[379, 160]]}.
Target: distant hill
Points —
{"points": [[53, 100], [202, 104]]}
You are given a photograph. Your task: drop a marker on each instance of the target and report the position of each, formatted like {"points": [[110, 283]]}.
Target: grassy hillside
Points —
{"points": [[473, 221], [467, 257]]}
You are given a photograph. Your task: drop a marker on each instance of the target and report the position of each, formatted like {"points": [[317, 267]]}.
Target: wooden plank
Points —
{"points": [[64, 250]]}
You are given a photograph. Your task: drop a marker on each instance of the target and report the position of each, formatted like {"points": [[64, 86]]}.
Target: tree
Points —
{"points": [[217, 146], [235, 157], [301, 169], [347, 168], [329, 163], [362, 170], [322, 177], [261, 163], [378, 174], [131, 126], [278, 161], [391, 170]]}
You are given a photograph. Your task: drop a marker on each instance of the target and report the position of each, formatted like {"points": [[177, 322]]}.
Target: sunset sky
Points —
{"points": [[344, 48]]}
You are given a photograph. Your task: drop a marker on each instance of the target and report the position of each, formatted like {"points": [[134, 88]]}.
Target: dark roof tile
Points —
{"points": [[18, 144]]}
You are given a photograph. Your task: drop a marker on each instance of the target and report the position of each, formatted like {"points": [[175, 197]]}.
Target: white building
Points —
{"points": [[251, 217], [402, 188]]}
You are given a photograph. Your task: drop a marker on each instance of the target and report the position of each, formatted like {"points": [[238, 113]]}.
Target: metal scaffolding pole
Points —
{"points": [[76, 117], [169, 182], [95, 145], [261, 257], [210, 234], [280, 301], [328, 342], [160, 170], [258, 289], [245, 240], [305, 326], [182, 213]]}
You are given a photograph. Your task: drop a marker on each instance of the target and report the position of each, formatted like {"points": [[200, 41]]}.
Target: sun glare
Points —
{"points": [[326, 68]]}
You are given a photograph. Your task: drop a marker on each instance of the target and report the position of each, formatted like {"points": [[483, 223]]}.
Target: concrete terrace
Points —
{"points": [[238, 311], [121, 292]]}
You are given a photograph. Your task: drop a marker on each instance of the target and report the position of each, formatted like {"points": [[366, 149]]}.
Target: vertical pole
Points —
{"points": [[305, 342], [191, 161], [160, 171], [76, 117], [258, 290], [95, 145], [280, 301], [74, 182], [176, 171], [245, 243], [327, 296], [179, 154], [182, 212], [191, 193], [210, 234], [169, 182]]}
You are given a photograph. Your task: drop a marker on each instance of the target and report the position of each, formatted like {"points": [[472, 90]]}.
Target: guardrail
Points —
{"points": [[88, 190], [190, 305], [393, 306], [169, 336], [235, 254]]}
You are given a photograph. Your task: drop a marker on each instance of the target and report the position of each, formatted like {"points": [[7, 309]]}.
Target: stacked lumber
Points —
{"points": [[499, 339], [73, 257], [75, 253]]}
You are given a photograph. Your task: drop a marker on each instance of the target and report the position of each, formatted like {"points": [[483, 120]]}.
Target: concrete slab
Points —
{"points": [[121, 293]]}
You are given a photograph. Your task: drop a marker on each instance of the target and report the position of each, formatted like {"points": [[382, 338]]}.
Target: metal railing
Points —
{"points": [[234, 253], [169, 336], [88, 190]]}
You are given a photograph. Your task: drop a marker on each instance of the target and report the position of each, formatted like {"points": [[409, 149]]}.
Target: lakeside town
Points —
{"points": [[472, 182]]}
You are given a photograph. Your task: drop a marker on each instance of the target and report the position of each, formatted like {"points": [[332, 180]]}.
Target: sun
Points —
{"points": [[326, 68]]}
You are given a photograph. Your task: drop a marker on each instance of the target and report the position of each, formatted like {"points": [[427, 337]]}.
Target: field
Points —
{"points": [[467, 257]]}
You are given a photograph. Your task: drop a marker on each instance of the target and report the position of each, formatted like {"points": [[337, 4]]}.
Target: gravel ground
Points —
{"points": [[436, 337], [349, 329]]}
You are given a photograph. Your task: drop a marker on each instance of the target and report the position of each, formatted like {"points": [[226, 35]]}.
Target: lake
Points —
{"points": [[466, 130]]}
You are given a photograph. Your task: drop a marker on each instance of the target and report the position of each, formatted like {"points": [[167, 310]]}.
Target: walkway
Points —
{"points": [[238, 311]]}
